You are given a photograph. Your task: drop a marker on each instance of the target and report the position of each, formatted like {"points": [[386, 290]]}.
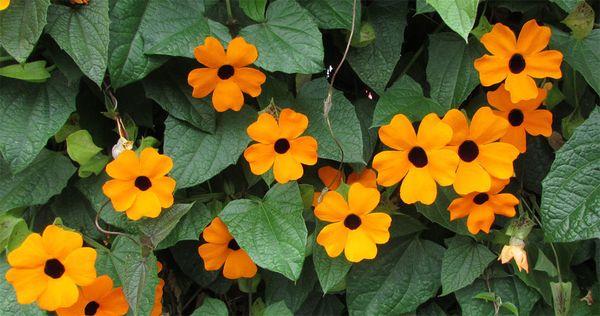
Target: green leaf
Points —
{"points": [[93, 166], [272, 231], [509, 289], [189, 227], [463, 262], [544, 264], [76, 212], [398, 280], [11, 227], [138, 274], [511, 307], [83, 32], [570, 206], [8, 298], [32, 72], [170, 90], [211, 307], [21, 26], [375, 63], [344, 122], [459, 15], [486, 296], [567, 5], [423, 7], [254, 9], [175, 27], [405, 96], [292, 293], [583, 55], [45, 177], [157, 229], [438, 212], [450, 70], [30, 114], [333, 14], [277, 309], [197, 155], [289, 41], [330, 271], [81, 147]]}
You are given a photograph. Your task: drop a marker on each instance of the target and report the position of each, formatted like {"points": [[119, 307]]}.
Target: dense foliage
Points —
{"points": [[231, 218]]}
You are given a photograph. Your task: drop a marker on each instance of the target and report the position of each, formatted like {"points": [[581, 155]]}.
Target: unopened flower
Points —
{"points": [[98, 298], [515, 250], [122, 145]]}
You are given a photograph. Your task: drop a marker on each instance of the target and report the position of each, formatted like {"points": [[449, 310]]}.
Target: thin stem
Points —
{"points": [[109, 232], [557, 264], [51, 68], [249, 302], [230, 20]]}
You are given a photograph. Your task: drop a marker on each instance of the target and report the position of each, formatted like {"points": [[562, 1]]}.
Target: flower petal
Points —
{"points": [[367, 177], [544, 64], [333, 208], [29, 284], [292, 124], [61, 292], [203, 80], [481, 217], [249, 80], [471, 177], [538, 122], [146, 204], [504, 204], [500, 41], [460, 207], [59, 242], [153, 164], [497, 159], [521, 87], [362, 200], [333, 238], [304, 150], [163, 188], [287, 168], [433, 133], [265, 130], [260, 157], [122, 194], [240, 53], [80, 265], [492, 69], [533, 38], [216, 232], [458, 122], [359, 246], [211, 53], [500, 99], [213, 255], [99, 288], [391, 166], [442, 165], [516, 136], [377, 226], [239, 265], [125, 167], [330, 177], [227, 96], [30, 254], [486, 127], [418, 185], [114, 303], [399, 134]]}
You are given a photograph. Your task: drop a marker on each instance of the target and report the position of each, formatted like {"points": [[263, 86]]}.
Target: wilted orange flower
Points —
{"points": [[226, 75], [481, 156], [140, 186], [158, 294], [280, 145], [98, 298], [420, 159], [48, 268], [515, 250], [4, 4], [354, 229], [518, 60], [523, 117], [480, 207], [222, 249]]}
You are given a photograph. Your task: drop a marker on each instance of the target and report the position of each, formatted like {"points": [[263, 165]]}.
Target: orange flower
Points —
{"points": [[221, 249], [367, 178], [354, 229], [140, 186], [331, 178], [226, 75], [481, 156], [515, 250], [158, 294], [420, 159], [48, 268], [518, 60], [523, 117], [481, 207], [98, 298], [280, 145], [4, 4]]}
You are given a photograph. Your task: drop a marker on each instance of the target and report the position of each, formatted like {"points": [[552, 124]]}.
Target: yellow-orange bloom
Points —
{"points": [[367, 178], [481, 207], [4, 4], [280, 145], [48, 268], [420, 159], [518, 61], [523, 117], [140, 186], [515, 250], [481, 155], [226, 75], [354, 229], [98, 298], [158, 294], [221, 249]]}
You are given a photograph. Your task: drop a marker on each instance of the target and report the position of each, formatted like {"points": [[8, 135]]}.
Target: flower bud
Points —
{"points": [[122, 145]]}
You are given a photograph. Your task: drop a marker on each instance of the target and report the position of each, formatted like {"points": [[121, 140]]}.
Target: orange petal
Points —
{"points": [[80, 265], [59, 242], [4, 4], [391, 166], [30, 254], [331, 177], [304, 150], [481, 217], [287, 168], [29, 284], [239, 265], [418, 185], [492, 69], [442, 165], [265, 130], [114, 303], [100, 287], [521, 87], [458, 122], [377, 226], [216, 232], [122, 194], [498, 185], [497, 159], [533, 38], [359, 246], [240, 53], [399, 134], [500, 99], [367, 177], [487, 127], [163, 188], [333, 238], [433, 133], [333, 208], [249, 80], [362, 200], [153, 164], [516, 136], [471, 177], [530, 105], [213, 255], [544, 64], [500, 41], [460, 207], [125, 167], [292, 124], [61, 292], [227, 96], [260, 157], [146, 204], [203, 80], [538, 122], [504, 204], [211, 54]]}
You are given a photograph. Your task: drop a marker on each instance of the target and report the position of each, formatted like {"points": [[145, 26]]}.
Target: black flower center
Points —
{"points": [[516, 64], [54, 269], [515, 117], [225, 72], [233, 245], [468, 151], [352, 221], [282, 145], [481, 198], [418, 157], [91, 308], [143, 183]]}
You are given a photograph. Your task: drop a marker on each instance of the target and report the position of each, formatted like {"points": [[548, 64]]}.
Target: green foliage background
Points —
{"points": [[66, 70]]}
